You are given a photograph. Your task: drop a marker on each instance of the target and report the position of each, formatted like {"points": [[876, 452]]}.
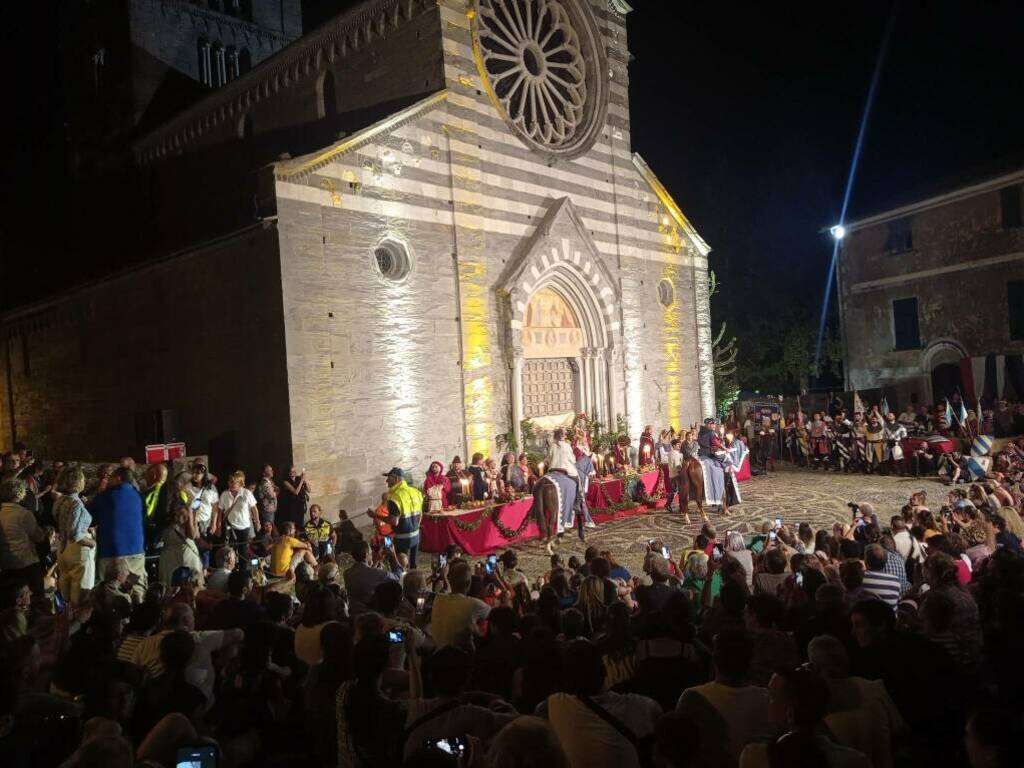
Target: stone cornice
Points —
{"points": [[204, 16], [303, 59], [666, 199], [303, 166]]}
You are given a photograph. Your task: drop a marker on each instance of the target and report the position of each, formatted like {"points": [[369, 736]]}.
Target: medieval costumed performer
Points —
{"points": [[819, 442], [460, 483], [766, 446], [874, 435], [436, 488], [646, 455], [895, 434]]}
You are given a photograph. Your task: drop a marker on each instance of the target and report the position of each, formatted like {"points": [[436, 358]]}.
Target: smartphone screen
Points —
{"points": [[396, 636], [778, 523], [772, 536], [255, 562], [453, 745], [716, 553], [420, 603], [799, 579], [442, 561], [664, 552], [387, 542], [204, 756], [492, 562]]}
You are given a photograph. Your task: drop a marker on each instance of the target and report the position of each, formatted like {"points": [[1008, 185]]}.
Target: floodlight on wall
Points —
{"points": [[838, 231]]}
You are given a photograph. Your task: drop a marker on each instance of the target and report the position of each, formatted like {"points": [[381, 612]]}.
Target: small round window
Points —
{"points": [[666, 293], [392, 260]]}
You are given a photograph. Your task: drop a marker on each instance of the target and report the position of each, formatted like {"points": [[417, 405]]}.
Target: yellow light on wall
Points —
{"points": [[672, 349]]}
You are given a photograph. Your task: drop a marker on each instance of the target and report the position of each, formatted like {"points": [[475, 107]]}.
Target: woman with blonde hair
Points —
{"points": [[238, 508], [1014, 524], [590, 603], [77, 558]]}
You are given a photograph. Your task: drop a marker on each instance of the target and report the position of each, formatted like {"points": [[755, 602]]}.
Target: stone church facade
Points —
{"points": [[483, 248]]}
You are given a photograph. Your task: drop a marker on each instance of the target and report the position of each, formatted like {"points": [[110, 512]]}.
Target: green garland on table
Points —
{"points": [[507, 533]]}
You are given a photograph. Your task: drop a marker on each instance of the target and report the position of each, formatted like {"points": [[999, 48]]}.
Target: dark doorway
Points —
{"points": [[946, 381]]}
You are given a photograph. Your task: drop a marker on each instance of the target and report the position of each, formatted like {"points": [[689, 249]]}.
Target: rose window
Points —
{"points": [[534, 61]]}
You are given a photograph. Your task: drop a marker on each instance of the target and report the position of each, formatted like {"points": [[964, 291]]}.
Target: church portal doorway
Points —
{"points": [[552, 347]]}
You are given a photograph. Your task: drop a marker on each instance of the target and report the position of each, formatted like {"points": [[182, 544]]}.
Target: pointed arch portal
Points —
{"points": [[564, 324]]}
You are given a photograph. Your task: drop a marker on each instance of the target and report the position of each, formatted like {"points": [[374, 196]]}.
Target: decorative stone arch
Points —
{"points": [[560, 255], [939, 352]]}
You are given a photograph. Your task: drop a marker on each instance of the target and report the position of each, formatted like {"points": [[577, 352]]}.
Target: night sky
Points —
{"points": [[748, 112]]}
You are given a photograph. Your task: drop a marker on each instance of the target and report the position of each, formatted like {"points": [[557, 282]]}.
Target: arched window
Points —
{"points": [[244, 61], [204, 69], [328, 106], [220, 66]]}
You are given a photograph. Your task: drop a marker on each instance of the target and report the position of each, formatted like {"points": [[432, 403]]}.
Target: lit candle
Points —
{"points": [[647, 453], [464, 482], [540, 469], [600, 463]]}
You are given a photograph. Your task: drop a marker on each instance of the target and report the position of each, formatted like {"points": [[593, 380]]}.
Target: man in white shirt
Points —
{"points": [[597, 728], [455, 617]]}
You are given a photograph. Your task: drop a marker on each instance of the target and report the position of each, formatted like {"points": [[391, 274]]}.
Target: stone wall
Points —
{"points": [[200, 335], [958, 268]]}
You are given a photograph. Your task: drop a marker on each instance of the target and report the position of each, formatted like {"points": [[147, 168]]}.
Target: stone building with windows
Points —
{"points": [[931, 294], [386, 244]]}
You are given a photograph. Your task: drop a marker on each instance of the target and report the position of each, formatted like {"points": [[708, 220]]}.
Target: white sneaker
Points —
{"points": [[591, 524]]}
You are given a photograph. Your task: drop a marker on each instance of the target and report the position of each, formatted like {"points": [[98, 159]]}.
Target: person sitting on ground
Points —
{"points": [[876, 580], [366, 717], [455, 616], [770, 580], [362, 578], [237, 611], [860, 713], [655, 596], [730, 712], [799, 698], [591, 723], [288, 551], [170, 691], [226, 560], [448, 713], [773, 648]]}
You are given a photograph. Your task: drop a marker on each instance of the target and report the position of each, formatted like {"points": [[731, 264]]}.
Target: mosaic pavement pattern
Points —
{"points": [[795, 495]]}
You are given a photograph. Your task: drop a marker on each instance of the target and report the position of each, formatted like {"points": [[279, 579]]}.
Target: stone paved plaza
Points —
{"points": [[795, 495]]}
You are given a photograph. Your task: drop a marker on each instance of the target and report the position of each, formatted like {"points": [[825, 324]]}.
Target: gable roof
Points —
{"points": [[673, 208]]}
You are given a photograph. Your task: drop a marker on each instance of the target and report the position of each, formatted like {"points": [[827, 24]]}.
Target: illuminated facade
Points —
{"points": [[483, 248]]}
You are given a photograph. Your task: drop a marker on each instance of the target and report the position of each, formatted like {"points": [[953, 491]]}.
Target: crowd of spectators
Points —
{"points": [[882, 641]]}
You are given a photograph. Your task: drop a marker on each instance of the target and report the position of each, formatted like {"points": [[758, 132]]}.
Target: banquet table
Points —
{"points": [[487, 529]]}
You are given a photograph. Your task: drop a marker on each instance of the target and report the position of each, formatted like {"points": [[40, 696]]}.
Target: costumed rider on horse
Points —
{"points": [[557, 497], [708, 485]]}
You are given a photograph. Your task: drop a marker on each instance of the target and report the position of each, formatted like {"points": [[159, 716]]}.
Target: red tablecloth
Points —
{"points": [[438, 531]]}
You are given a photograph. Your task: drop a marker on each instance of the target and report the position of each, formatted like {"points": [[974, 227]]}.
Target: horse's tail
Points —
{"points": [[538, 510]]}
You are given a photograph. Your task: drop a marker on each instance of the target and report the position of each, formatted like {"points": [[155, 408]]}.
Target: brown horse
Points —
{"points": [[690, 482], [545, 510]]}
